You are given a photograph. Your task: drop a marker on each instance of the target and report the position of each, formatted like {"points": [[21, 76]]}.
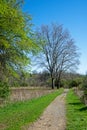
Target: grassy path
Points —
{"points": [[76, 113], [16, 115]]}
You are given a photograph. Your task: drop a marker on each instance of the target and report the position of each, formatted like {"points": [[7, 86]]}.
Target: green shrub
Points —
{"points": [[73, 83], [4, 90], [85, 92], [84, 85]]}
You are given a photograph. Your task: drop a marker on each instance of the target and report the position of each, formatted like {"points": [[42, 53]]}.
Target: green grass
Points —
{"points": [[76, 113], [14, 116]]}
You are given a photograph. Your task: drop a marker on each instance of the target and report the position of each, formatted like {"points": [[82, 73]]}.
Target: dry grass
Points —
{"points": [[25, 93]]}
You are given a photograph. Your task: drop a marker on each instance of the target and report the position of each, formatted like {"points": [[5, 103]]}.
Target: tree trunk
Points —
{"points": [[59, 80], [58, 84], [52, 83]]}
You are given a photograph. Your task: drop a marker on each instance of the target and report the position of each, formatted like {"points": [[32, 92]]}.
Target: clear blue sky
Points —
{"points": [[71, 13]]}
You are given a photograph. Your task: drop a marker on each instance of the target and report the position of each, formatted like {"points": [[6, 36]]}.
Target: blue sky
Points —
{"points": [[71, 13]]}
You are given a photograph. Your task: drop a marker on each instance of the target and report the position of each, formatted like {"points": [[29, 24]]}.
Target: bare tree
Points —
{"points": [[68, 60], [59, 52]]}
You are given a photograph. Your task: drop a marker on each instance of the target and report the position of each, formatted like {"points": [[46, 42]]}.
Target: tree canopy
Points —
{"points": [[15, 36]]}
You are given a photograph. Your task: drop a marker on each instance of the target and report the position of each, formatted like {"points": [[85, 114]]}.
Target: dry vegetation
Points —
{"points": [[24, 93]]}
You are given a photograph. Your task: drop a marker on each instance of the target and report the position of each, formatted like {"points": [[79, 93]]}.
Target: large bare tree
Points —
{"points": [[59, 53]]}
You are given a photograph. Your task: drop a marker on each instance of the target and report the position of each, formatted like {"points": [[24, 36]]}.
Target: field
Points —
{"points": [[16, 115]]}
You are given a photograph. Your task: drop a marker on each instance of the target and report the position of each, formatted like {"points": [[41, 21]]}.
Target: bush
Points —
{"points": [[4, 90], [84, 85], [73, 83]]}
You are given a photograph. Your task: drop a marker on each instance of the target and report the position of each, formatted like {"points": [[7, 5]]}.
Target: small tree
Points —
{"points": [[4, 90]]}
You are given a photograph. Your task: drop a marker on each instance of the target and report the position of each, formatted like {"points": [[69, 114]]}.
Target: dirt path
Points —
{"points": [[53, 117]]}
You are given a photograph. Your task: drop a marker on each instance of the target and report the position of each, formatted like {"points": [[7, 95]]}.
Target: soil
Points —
{"points": [[54, 116]]}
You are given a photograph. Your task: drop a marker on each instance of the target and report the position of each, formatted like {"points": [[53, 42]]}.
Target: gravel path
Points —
{"points": [[53, 117]]}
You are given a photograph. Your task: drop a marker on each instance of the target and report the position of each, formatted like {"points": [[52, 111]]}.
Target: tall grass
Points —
{"points": [[16, 115], [76, 113]]}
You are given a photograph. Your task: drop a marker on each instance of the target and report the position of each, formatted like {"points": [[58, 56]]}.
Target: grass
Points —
{"points": [[76, 113], [14, 116]]}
